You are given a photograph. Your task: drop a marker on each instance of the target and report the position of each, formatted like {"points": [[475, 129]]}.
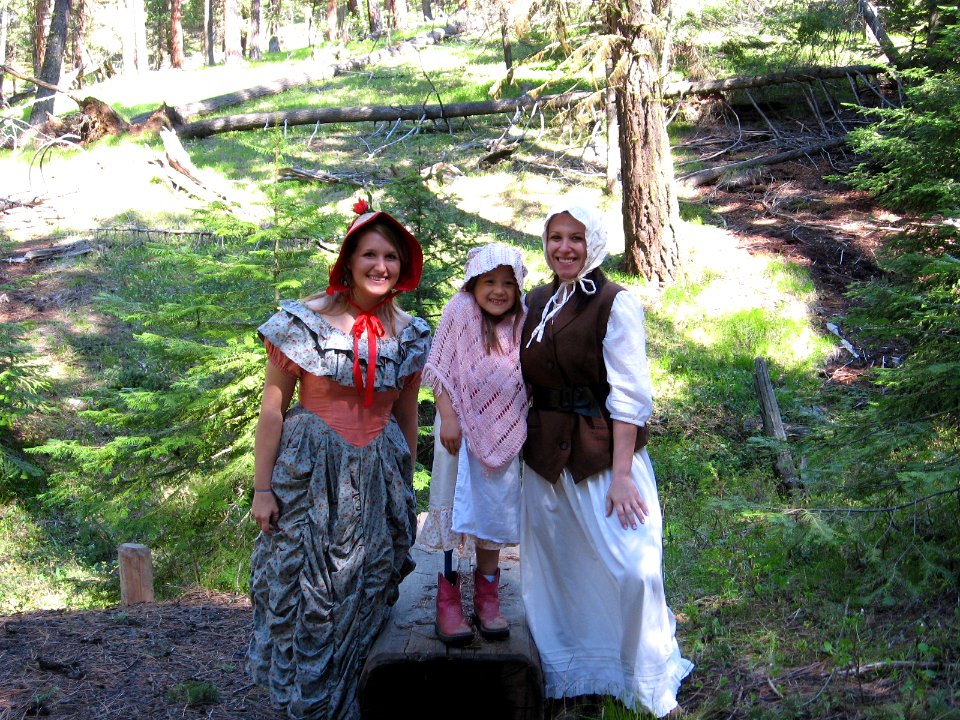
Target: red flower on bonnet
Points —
{"points": [[361, 206]]}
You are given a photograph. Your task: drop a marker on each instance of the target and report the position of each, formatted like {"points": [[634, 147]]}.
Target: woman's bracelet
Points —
{"points": [[267, 490]]}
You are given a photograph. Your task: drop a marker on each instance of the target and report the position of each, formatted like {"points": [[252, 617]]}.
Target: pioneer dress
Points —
{"points": [[322, 583]]}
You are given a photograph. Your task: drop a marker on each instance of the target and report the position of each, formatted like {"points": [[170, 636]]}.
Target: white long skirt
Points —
{"points": [[469, 504], [593, 592]]}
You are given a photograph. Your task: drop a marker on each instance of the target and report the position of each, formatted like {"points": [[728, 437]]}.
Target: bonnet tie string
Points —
{"points": [[367, 322], [557, 301]]}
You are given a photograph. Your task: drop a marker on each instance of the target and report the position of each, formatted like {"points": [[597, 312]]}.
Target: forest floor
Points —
{"points": [[140, 661]]}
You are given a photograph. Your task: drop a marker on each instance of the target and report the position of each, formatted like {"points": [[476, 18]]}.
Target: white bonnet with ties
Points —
{"points": [[596, 234], [596, 241], [485, 258]]}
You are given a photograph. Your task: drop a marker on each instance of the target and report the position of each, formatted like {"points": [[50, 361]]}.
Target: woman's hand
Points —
{"points": [[624, 499], [265, 511]]}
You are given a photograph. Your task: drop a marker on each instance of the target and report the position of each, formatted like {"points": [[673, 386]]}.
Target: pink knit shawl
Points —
{"points": [[487, 391]]}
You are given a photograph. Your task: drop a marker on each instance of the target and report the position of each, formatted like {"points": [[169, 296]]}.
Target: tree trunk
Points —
{"points": [[650, 213], [4, 24], [375, 113], [41, 11], [374, 17], [78, 36], [142, 56], [273, 23], [133, 36], [52, 61], [332, 22], [176, 33], [398, 12], [232, 52], [872, 19], [209, 20], [427, 10], [505, 35], [255, 32]]}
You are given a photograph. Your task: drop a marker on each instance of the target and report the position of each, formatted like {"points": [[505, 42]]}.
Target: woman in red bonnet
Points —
{"points": [[333, 475]]}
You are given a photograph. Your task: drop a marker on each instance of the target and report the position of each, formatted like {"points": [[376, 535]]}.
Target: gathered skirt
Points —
{"points": [[322, 583], [593, 592]]}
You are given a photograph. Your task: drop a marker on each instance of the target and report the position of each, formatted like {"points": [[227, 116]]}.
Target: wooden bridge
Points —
{"points": [[409, 672]]}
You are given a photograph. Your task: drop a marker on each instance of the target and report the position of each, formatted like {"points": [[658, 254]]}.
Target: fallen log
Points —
{"points": [[709, 87], [709, 175], [374, 113]]}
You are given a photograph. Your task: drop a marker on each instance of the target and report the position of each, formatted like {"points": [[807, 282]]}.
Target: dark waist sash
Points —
{"points": [[580, 400]]}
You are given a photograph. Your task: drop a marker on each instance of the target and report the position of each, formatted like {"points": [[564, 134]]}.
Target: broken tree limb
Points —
{"points": [[710, 175], [708, 87], [871, 18], [773, 425], [374, 113]]}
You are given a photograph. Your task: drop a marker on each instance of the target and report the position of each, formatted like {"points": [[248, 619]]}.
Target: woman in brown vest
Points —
{"points": [[591, 525]]}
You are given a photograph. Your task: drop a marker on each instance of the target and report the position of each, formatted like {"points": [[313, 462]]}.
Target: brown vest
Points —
{"points": [[568, 425]]}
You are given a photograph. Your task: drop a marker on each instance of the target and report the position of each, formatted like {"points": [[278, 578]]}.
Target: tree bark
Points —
{"points": [[232, 52], [427, 10], [52, 61], [176, 33], [332, 22], [650, 211], [138, 20], [4, 25], [41, 12], [209, 36], [374, 17], [505, 34]]}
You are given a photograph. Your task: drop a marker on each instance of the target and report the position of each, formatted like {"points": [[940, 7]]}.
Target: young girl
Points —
{"points": [[474, 369]]}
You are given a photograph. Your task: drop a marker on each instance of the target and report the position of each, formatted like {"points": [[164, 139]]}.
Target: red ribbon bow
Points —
{"points": [[366, 322]]}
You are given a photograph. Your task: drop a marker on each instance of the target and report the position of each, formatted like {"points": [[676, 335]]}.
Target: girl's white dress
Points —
{"points": [[593, 592], [470, 504]]}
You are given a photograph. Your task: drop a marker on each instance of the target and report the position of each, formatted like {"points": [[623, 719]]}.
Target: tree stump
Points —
{"points": [[136, 574], [410, 670]]}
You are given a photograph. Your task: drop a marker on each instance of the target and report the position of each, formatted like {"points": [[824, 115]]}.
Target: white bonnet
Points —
{"points": [[485, 258], [596, 233]]}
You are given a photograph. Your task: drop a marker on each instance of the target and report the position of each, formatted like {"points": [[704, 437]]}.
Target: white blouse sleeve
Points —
{"points": [[625, 357]]}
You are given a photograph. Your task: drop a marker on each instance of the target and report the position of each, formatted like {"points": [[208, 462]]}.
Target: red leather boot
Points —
{"points": [[451, 625], [486, 607]]}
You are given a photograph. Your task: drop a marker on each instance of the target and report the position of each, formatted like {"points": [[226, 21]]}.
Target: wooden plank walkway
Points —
{"points": [[409, 669]]}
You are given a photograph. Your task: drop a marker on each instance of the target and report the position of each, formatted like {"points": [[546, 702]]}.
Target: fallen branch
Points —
{"points": [[710, 87], [705, 177], [894, 664], [80, 247], [773, 426], [296, 173]]}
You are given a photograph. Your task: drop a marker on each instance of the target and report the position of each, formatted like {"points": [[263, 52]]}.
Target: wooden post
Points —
{"points": [[773, 425], [136, 574]]}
